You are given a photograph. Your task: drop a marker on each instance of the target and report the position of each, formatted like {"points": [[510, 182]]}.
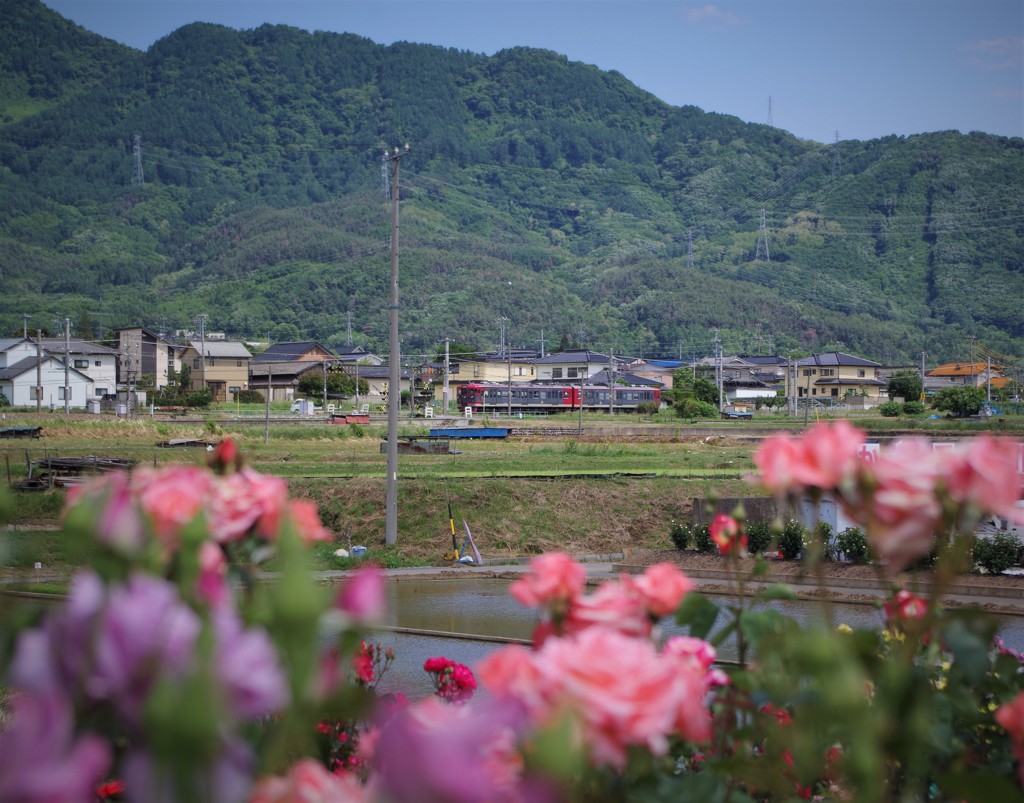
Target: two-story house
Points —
{"points": [[145, 353], [96, 361], [32, 376], [834, 375], [223, 367], [573, 365]]}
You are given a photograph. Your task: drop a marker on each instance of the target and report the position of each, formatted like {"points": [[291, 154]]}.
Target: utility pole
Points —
{"points": [[447, 369], [611, 382], [393, 159], [39, 370], [67, 368], [202, 348], [24, 325], [542, 342], [922, 355], [266, 419], [506, 352], [718, 369]]}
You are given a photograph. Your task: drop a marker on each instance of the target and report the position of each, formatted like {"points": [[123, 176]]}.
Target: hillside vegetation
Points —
{"points": [[539, 189]]}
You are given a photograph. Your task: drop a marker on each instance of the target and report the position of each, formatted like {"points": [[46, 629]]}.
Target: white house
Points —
{"points": [[97, 362], [33, 380]]}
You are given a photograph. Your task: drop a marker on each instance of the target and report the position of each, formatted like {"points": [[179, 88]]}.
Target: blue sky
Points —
{"points": [[862, 68]]}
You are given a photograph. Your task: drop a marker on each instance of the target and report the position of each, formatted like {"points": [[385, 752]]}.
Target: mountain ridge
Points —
{"points": [[616, 220]]}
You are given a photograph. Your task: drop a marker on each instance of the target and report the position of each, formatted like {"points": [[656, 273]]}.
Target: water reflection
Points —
{"points": [[483, 607]]}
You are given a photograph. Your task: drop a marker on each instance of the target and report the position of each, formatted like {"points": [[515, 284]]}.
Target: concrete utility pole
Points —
{"points": [[394, 373], [611, 382], [447, 368], [202, 349], [718, 369], [39, 370], [67, 368]]}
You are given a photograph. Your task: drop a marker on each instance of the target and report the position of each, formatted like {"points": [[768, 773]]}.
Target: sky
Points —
{"points": [[820, 69]]}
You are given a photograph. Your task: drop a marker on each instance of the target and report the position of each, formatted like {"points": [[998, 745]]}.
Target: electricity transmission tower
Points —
{"points": [[762, 241], [137, 161], [837, 160]]}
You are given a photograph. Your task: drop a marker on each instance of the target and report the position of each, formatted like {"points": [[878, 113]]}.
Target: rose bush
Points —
{"points": [[169, 674]]}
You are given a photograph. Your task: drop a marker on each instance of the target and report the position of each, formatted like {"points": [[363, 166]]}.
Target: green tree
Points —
{"points": [[905, 384], [686, 386], [184, 379], [339, 383], [959, 401]]}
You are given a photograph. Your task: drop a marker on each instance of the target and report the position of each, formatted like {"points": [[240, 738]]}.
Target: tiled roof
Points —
{"points": [[55, 345], [222, 348], [830, 358], [584, 356], [288, 351]]}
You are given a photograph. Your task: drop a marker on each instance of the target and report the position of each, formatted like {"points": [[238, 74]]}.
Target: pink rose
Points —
{"points": [[616, 606], [662, 588], [905, 607], [728, 535], [553, 581], [824, 457], [1010, 717], [897, 504], [624, 693], [172, 497], [362, 596], [308, 781], [306, 519], [983, 474]]}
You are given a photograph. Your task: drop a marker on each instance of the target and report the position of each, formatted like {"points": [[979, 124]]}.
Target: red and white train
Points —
{"points": [[484, 396]]}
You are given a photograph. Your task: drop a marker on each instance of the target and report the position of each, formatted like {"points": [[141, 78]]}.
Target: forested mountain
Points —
{"points": [[537, 189]]}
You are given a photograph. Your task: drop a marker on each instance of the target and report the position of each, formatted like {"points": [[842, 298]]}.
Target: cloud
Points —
{"points": [[711, 14], [996, 54]]}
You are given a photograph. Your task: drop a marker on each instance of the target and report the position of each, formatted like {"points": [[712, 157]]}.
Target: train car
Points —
{"points": [[483, 397]]}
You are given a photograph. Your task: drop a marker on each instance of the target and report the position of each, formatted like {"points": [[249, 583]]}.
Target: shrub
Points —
{"points": [[680, 533], [702, 539], [249, 397], [853, 544], [648, 407], [890, 409], [791, 539], [996, 554], [759, 537], [199, 398], [913, 408], [692, 408], [4, 401]]}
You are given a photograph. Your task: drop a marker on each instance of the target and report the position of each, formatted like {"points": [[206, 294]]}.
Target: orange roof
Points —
{"points": [[960, 369]]}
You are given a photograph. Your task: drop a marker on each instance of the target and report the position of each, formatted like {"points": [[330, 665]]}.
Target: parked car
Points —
{"points": [[732, 412], [297, 405]]}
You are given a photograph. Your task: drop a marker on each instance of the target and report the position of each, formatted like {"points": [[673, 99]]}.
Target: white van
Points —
{"points": [[297, 405]]}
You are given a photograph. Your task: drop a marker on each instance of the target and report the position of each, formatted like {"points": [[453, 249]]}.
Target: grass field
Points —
{"points": [[586, 494]]}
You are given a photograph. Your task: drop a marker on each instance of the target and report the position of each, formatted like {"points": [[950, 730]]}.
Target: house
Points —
{"points": [[572, 365], [661, 371], [745, 377], [976, 374], [223, 367], [281, 378], [378, 379], [298, 351], [30, 376], [834, 375], [352, 354], [145, 353], [494, 367], [98, 362]]}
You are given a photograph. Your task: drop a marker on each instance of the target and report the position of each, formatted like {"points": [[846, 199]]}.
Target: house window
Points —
{"points": [[828, 372], [573, 373], [234, 390], [860, 373], [238, 364], [556, 373], [195, 363], [835, 391], [101, 391], [98, 363], [809, 371], [210, 361], [81, 363], [60, 393]]}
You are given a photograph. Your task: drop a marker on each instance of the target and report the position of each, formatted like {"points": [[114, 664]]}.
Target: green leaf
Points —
{"points": [[978, 788], [776, 591], [698, 613]]}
